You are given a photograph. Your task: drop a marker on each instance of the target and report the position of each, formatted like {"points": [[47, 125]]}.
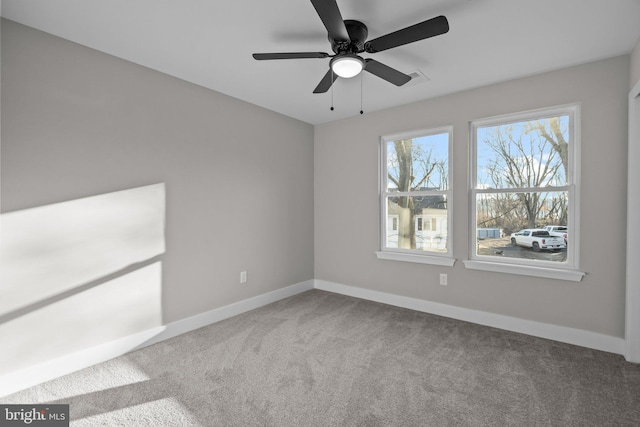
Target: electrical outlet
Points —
{"points": [[243, 277], [443, 279]]}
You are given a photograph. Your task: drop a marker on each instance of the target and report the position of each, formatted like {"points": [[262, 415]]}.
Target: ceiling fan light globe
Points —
{"points": [[347, 66]]}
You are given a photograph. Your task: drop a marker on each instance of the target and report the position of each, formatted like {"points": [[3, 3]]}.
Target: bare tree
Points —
{"points": [[551, 130], [410, 168], [442, 167], [520, 163]]}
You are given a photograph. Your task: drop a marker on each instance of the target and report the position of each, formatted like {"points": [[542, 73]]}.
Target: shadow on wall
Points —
{"points": [[80, 273]]}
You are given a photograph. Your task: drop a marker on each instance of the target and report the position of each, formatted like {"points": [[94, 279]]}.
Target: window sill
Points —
{"points": [[525, 270], [422, 259]]}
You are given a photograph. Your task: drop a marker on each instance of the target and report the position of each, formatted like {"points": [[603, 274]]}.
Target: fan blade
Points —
{"points": [[385, 72], [289, 55], [423, 30], [326, 82], [332, 19]]}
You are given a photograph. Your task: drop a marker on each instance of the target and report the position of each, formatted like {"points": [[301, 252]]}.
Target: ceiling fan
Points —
{"points": [[348, 39]]}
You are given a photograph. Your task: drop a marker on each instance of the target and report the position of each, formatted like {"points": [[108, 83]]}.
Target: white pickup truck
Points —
{"points": [[557, 230], [537, 239]]}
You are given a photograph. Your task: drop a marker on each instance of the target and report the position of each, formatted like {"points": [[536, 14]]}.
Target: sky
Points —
{"points": [[438, 145]]}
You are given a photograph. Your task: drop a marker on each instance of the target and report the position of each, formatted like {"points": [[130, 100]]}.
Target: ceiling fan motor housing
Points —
{"points": [[358, 33]]}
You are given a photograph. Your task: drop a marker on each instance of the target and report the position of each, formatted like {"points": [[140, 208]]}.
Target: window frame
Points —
{"points": [[568, 270], [414, 255]]}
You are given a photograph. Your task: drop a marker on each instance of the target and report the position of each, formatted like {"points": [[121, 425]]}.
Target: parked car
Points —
{"points": [[537, 239], [557, 230]]}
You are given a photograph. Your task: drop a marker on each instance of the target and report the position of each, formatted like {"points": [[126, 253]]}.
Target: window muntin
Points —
{"points": [[415, 194], [524, 177]]}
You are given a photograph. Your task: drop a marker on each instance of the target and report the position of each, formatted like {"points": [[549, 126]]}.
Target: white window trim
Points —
{"points": [[525, 270], [565, 271], [413, 257], [404, 255]]}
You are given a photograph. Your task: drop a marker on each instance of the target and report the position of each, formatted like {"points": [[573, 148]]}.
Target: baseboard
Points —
{"points": [[33, 375], [28, 377], [563, 334], [188, 324], [19, 380]]}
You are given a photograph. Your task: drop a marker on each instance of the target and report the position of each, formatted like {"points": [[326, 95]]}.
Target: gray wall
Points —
{"points": [[346, 201], [634, 75], [237, 179]]}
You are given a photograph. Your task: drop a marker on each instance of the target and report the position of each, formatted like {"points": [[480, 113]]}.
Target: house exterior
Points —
{"points": [[428, 222]]}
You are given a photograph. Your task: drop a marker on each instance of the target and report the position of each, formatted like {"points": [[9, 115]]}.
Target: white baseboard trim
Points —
{"points": [[19, 380], [33, 375], [188, 324], [563, 334]]}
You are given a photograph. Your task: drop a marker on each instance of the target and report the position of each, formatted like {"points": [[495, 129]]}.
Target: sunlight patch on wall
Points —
{"points": [[80, 273], [50, 249], [115, 309]]}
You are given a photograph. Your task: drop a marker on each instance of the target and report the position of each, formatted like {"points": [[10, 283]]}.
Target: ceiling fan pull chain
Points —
{"points": [[332, 79], [361, 112]]}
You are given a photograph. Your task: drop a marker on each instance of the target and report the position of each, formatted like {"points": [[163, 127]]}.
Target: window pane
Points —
{"points": [[507, 223], [525, 154], [406, 219], [418, 163]]}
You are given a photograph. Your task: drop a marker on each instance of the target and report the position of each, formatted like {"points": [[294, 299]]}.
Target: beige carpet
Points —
{"points": [[321, 359]]}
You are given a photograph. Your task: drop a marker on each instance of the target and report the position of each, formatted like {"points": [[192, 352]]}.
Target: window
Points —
{"points": [[524, 190], [415, 198]]}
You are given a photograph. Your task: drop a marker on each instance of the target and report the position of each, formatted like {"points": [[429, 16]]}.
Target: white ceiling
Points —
{"points": [[210, 42]]}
